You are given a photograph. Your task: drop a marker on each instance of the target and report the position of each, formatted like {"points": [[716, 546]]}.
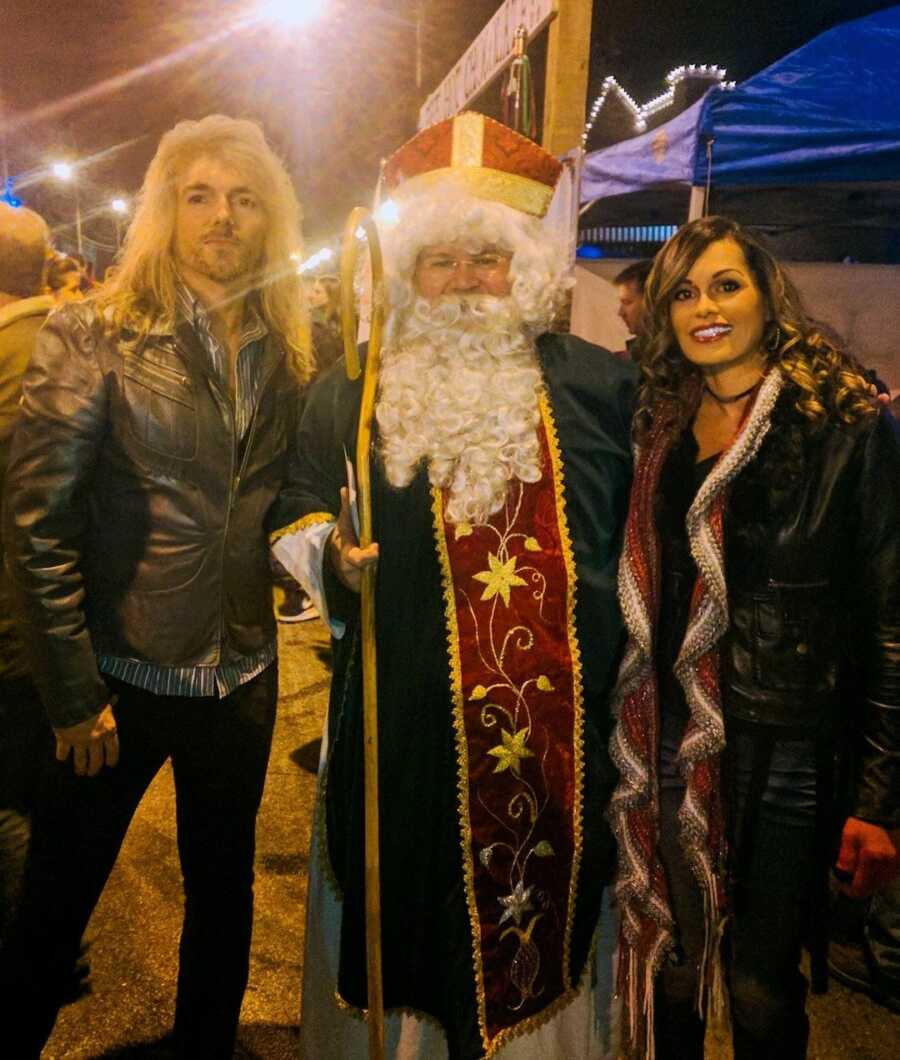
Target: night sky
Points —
{"points": [[334, 97]]}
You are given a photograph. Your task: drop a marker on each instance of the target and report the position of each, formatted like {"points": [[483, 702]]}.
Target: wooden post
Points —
{"points": [[565, 88]]}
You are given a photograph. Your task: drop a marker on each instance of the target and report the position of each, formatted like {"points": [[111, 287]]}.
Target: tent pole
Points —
{"points": [[700, 194], [697, 203]]}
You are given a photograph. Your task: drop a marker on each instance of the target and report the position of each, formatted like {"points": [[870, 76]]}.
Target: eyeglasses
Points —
{"points": [[480, 264]]}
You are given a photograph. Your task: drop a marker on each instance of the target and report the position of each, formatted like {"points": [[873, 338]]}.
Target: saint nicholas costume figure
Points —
{"points": [[500, 473]]}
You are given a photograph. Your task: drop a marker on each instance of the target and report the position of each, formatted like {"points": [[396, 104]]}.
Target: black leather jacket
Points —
{"points": [[812, 552], [135, 525]]}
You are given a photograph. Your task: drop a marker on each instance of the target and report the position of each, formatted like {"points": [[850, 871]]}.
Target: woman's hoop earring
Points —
{"points": [[774, 340]]}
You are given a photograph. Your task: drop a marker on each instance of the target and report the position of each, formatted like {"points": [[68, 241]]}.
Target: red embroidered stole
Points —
{"points": [[516, 678]]}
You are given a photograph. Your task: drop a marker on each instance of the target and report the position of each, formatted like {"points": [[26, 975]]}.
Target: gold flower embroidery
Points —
{"points": [[499, 579], [511, 751]]}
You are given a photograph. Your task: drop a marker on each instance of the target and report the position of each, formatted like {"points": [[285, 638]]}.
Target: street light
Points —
{"points": [[65, 171], [290, 13]]}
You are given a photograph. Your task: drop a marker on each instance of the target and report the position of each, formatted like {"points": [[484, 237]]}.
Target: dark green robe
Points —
{"points": [[426, 934]]}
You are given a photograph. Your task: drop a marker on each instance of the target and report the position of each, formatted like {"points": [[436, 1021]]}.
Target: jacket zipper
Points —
{"points": [[234, 483]]}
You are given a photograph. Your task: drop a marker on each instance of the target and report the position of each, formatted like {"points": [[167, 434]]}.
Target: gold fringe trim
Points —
{"points": [[575, 654], [521, 193], [462, 753], [313, 519], [533, 1023], [502, 1039], [525, 1026], [362, 1014]]}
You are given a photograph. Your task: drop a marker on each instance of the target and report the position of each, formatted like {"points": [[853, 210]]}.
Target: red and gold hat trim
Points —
{"points": [[493, 162]]}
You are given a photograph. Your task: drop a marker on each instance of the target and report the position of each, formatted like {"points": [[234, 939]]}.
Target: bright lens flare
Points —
{"points": [[290, 13], [62, 170], [119, 205], [320, 256], [388, 213]]}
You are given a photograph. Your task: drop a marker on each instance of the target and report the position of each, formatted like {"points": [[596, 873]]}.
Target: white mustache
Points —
{"points": [[482, 310]]}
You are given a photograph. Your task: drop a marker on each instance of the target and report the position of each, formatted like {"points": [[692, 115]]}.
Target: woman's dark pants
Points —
{"points": [[767, 992]]}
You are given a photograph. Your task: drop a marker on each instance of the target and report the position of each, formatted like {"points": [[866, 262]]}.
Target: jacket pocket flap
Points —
{"points": [[165, 381]]}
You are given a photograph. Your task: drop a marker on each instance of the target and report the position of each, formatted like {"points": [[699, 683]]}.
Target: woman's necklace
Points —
{"points": [[734, 397]]}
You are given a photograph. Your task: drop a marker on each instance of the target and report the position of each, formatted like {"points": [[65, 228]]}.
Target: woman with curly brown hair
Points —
{"points": [[758, 703]]}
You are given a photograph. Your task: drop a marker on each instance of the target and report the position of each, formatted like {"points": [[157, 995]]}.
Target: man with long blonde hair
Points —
{"points": [[143, 481]]}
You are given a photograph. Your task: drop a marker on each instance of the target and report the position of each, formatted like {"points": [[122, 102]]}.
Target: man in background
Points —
{"points": [[24, 732], [629, 284]]}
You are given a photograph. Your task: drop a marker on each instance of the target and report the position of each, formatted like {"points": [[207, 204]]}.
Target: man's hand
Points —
{"points": [[868, 858], [93, 742], [347, 558]]}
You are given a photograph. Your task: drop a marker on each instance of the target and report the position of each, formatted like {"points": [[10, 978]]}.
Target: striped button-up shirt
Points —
{"points": [[222, 679]]}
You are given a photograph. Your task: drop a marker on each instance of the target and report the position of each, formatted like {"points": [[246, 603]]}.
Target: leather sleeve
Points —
{"points": [[53, 454], [325, 437], [876, 614], [315, 469]]}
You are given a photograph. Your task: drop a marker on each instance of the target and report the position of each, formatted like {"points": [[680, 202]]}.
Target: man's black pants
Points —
{"points": [[219, 750], [24, 741]]}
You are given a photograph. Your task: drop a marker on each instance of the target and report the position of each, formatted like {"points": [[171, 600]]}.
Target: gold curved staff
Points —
{"points": [[362, 218]]}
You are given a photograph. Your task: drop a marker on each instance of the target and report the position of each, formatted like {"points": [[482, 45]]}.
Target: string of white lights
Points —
{"points": [[642, 111]]}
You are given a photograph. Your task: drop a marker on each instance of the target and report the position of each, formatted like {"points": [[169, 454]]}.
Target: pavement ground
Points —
{"points": [[137, 923]]}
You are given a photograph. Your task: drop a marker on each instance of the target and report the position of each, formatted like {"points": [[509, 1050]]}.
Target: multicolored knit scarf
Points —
{"points": [[647, 925]]}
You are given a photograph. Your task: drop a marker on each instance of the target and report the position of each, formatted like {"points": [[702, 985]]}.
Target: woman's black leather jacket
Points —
{"points": [[812, 552]]}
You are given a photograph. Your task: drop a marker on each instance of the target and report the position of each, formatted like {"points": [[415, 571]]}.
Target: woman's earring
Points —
{"points": [[774, 340]]}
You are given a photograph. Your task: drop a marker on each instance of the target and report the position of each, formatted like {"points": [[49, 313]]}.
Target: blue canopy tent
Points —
{"points": [[826, 115]]}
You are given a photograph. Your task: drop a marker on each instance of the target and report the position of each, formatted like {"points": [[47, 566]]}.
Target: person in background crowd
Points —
{"points": [[760, 585], [864, 948], [65, 278], [325, 300], [500, 473], [143, 478], [24, 240], [325, 303], [629, 284]]}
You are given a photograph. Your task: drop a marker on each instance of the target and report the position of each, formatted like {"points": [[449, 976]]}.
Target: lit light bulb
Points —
{"points": [[290, 13]]}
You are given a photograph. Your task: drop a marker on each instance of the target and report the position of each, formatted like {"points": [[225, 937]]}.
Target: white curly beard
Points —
{"points": [[459, 389]]}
